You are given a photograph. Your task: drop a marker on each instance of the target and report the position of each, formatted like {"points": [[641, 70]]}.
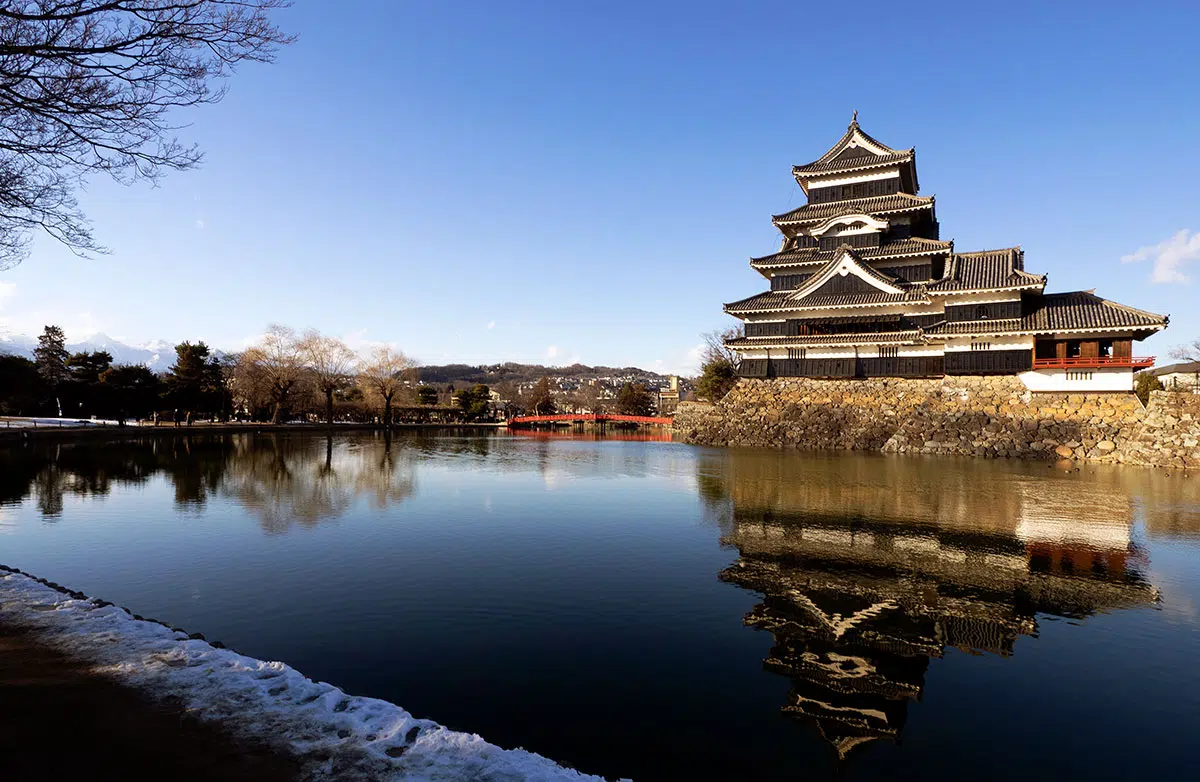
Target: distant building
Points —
{"points": [[668, 398], [864, 286], [1179, 377]]}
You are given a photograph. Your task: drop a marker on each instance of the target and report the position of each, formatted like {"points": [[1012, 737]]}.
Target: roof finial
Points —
{"points": [[854, 119]]}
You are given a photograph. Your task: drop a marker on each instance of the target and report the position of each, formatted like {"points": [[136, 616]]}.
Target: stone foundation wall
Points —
{"points": [[1169, 433], [968, 416]]}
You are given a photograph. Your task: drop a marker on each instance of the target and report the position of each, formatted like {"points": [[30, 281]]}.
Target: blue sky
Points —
{"points": [[550, 182]]}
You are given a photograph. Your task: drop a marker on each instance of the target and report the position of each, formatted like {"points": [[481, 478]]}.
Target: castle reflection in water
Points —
{"points": [[869, 569]]}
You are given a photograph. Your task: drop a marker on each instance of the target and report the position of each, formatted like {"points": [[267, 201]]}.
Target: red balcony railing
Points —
{"points": [[1095, 362]]}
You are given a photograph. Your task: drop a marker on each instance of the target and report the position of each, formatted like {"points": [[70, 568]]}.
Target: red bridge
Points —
{"points": [[582, 418]]}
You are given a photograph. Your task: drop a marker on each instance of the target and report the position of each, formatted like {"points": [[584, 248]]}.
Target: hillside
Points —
{"points": [[529, 373]]}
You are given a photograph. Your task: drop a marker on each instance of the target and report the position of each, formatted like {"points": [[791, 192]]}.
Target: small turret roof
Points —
{"points": [[854, 151], [987, 270]]}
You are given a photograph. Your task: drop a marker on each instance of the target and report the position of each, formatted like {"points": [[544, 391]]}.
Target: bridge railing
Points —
{"points": [[590, 418]]}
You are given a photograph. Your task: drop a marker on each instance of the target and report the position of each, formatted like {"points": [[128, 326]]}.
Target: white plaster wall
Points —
{"points": [[1109, 379], [954, 344], [847, 179], [913, 351], [1180, 380]]}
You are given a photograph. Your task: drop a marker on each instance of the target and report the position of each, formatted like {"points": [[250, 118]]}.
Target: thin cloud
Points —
{"points": [[7, 291], [552, 351], [491, 324], [200, 223], [1169, 256]]}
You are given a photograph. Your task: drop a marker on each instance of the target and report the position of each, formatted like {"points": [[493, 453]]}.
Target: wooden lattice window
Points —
{"points": [[889, 351], [981, 346], [797, 353]]}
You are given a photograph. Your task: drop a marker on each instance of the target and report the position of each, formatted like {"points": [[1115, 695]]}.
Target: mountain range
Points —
{"points": [[157, 355]]}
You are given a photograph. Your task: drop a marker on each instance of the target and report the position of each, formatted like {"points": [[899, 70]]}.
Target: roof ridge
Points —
{"points": [[1016, 248]]}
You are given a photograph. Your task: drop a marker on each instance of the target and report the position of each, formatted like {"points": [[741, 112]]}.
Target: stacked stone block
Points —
{"points": [[991, 417]]}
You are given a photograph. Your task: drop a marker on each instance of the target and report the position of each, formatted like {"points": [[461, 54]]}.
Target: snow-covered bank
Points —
{"points": [[334, 734]]}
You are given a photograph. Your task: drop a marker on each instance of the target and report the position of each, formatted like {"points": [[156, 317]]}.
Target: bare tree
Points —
{"points": [[719, 364], [276, 365], [715, 348], [383, 375], [1190, 352], [332, 365], [86, 86]]}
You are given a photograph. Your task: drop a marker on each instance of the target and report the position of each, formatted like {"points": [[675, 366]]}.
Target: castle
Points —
{"points": [[863, 286]]}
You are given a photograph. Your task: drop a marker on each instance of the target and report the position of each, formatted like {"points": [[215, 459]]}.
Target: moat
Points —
{"points": [[648, 609]]}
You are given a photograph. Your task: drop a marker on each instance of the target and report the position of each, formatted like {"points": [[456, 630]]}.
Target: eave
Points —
{"points": [[851, 205], [1038, 286]]}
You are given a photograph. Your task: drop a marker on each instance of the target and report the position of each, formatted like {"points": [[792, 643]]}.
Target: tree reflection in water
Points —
{"points": [[281, 480], [869, 569]]}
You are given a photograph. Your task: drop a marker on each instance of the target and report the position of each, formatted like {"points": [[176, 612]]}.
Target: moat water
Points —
{"points": [[654, 610]]}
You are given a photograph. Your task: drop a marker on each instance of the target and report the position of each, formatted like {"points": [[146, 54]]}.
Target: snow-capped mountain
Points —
{"points": [[157, 354]]}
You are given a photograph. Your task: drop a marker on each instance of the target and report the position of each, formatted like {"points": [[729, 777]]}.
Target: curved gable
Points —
{"points": [[846, 273], [866, 223]]}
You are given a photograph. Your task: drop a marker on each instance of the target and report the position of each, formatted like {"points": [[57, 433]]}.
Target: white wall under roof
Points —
{"points": [[827, 180]]}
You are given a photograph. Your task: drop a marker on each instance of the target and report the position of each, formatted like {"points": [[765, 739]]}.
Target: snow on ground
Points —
{"points": [[13, 422], [334, 734]]}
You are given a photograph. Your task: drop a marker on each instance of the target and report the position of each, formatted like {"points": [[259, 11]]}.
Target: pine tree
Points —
{"points": [[51, 358]]}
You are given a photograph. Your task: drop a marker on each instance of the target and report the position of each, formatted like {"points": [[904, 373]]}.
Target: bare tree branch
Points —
{"points": [[87, 86], [1190, 352]]}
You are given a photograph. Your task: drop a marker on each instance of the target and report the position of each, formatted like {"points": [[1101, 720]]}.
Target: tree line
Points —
{"points": [[284, 376], [287, 375]]}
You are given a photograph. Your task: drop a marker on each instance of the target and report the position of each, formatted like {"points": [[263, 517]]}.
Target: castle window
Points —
{"points": [[1075, 374], [795, 353], [981, 346], [889, 351], [982, 312]]}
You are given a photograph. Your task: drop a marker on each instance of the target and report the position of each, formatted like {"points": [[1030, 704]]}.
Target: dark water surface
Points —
{"points": [[659, 611]]}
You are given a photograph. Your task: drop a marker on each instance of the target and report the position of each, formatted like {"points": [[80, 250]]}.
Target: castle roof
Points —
{"points": [[1057, 312], [987, 270], [819, 340], [774, 301], [1185, 367], [874, 205], [811, 255], [855, 151]]}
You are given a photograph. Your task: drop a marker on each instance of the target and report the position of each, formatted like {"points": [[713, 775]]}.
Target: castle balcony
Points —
{"points": [[1094, 362]]}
